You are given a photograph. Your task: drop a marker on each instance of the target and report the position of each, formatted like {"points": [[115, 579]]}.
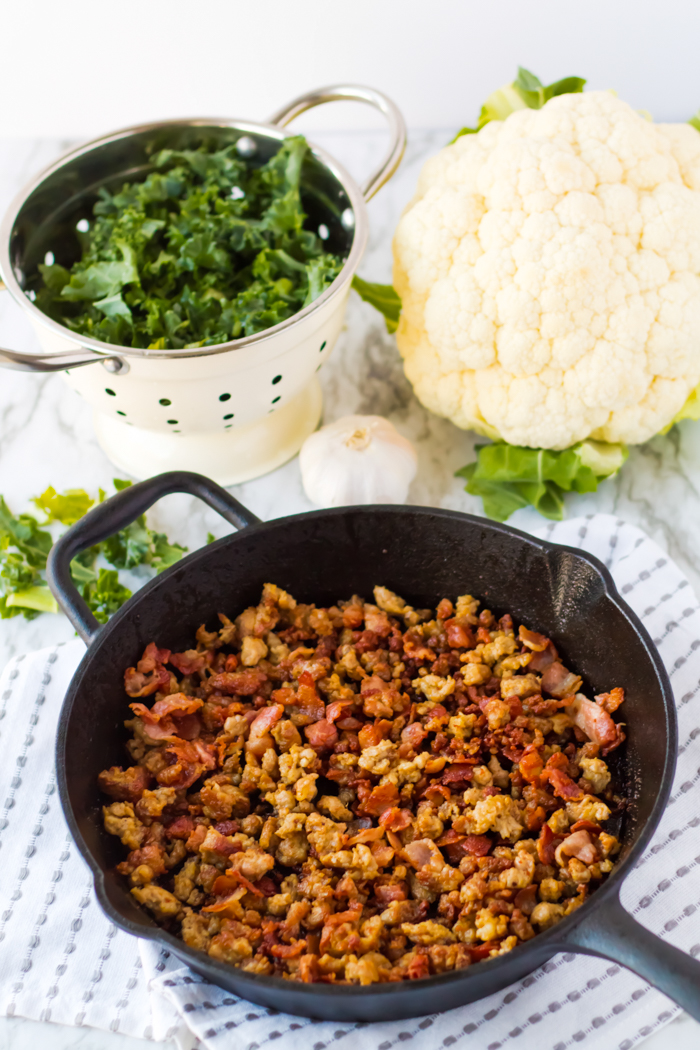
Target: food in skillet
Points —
{"points": [[366, 792], [210, 247]]}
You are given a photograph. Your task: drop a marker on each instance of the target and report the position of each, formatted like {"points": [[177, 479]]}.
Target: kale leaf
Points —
{"points": [[206, 249], [25, 546]]}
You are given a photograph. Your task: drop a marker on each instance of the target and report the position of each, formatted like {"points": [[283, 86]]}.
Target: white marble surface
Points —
{"points": [[46, 438]]}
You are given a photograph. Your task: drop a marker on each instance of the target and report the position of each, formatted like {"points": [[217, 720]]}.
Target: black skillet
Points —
{"points": [[423, 554]]}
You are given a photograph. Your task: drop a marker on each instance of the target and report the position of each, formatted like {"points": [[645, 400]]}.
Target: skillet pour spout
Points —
{"points": [[422, 554]]}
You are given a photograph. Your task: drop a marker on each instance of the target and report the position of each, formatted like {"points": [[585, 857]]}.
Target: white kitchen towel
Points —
{"points": [[62, 960]]}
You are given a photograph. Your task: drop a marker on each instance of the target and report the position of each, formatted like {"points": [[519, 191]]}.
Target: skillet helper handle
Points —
{"points": [[355, 93], [117, 513], [612, 933]]}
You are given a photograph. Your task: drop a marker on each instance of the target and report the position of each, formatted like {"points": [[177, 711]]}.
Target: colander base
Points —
{"points": [[230, 458]]}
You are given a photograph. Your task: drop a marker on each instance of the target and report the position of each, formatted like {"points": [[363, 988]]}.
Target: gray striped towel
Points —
{"points": [[62, 960]]}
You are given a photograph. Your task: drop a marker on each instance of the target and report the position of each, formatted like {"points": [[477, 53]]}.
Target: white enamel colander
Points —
{"points": [[237, 409]]}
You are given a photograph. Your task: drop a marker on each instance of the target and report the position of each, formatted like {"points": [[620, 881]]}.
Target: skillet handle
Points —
{"points": [[115, 514], [612, 933]]}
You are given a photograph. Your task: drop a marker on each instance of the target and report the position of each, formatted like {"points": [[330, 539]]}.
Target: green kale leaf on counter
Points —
{"points": [[25, 545], [207, 249]]}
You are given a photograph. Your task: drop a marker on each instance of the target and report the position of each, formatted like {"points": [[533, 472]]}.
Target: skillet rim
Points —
{"points": [[552, 941]]}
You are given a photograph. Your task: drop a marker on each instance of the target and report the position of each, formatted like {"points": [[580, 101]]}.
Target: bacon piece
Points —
{"points": [[586, 825], [381, 798], [259, 739], [196, 838], [593, 720], [533, 640], [477, 845], [563, 785], [322, 735], [418, 967], [414, 735], [227, 827], [459, 635], [188, 761], [526, 899], [612, 700], [192, 662], [288, 951], [308, 701], [372, 733], [547, 844], [482, 951], [227, 907], [238, 683], [396, 819], [224, 886], [232, 873], [366, 835], [149, 675], [559, 681], [124, 785], [180, 828], [458, 772], [450, 838], [167, 716], [579, 845], [414, 647], [335, 710], [530, 764], [445, 609], [541, 661], [390, 891], [309, 971]]}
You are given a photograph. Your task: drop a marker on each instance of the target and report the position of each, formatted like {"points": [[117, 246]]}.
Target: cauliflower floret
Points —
{"points": [[490, 927], [380, 758], [428, 932], [434, 688], [295, 763], [499, 813], [588, 808], [549, 272], [596, 773]]}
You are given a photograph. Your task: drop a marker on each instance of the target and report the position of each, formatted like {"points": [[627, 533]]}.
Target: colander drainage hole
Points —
{"points": [[229, 415], [224, 397], [276, 380], [323, 346], [165, 401], [120, 413], [173, 422], [110, 392], [276, 399]]}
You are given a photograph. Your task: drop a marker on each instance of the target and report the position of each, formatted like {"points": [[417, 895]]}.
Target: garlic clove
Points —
{"points": [[357, 460]]}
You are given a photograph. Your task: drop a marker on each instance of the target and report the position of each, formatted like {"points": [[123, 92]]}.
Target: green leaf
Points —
{"points": [[526, 91], [210, 537], [165, 553], [383, 298], [509, 477], [120, 484], [67, 507], [39, 598], [207, 248], [129, 547], [690, 410], [106, 595], [695, 121]]}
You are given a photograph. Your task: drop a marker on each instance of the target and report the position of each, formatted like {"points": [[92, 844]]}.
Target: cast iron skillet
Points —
{"points": [[423, 554]]}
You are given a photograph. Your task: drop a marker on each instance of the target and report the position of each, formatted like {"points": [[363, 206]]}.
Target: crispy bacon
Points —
{"points": [[547, 844], [180, 828], [152, 855], [533, 640], [237, 683], [419, 966], [563, 785], [381, 798], [335, 710], [530, 764], [459, 634], [541, 661], [612, 700], [593, 720], [396, 819], [168, 717], [477, 845], [579, 845], [188, 760], [149, 675], [422, 852], [124, 785], [414, 735], [458, 772], [559, 681], [192, 661], [322, 735], [259, 739], [366, 835]]}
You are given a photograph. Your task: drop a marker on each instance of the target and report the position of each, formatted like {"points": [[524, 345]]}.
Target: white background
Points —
{"points": [[81, 67]]}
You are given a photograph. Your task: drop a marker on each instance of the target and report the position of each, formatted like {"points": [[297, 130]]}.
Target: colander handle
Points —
{"points": [[355, 93], [115, 514]]}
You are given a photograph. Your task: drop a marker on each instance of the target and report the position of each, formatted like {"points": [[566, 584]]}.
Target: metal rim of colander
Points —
{"points": [[338, 286]]}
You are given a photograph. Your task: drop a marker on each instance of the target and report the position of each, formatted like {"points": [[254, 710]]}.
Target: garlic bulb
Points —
{"points": [[357, 459]]}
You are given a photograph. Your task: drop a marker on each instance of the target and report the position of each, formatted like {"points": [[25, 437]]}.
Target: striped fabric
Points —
{"points": [[61, 960]]}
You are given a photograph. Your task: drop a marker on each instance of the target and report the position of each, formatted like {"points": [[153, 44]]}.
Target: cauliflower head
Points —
{"points": [[549, 269]]}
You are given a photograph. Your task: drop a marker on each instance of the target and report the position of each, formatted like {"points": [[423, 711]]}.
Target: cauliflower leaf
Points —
{"points": [[509, 477], [383, 298], [526, 92]]}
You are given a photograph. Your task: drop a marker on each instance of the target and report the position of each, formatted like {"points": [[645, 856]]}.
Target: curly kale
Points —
{"points": [[207, 249]]}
